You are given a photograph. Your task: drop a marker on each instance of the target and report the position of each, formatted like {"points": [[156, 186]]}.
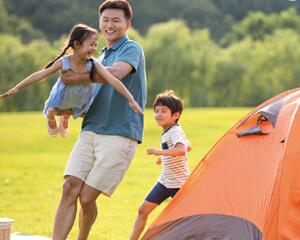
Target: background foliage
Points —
{"points": [[210, 52]]}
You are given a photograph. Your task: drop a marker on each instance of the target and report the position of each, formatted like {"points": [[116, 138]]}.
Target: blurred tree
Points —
{"points": [[196, 14], [203, 54], [17, 62], [3, 16], [239, 9], [179, 59], [167, 51], [250, 72], [216, 15], [55, 17], [12, 24], [257, 25], [227, 75]]}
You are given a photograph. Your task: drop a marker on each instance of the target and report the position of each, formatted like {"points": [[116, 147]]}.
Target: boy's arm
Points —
{"points": [[189, 147], [179, 150], [33, 78]]}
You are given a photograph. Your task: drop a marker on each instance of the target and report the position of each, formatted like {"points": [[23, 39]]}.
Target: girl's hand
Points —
{"points": [[136, 107], [158, 161], [9, 92]]}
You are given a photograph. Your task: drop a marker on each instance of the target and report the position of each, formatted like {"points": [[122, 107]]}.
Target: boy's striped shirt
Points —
{"points": [[175, 169]]}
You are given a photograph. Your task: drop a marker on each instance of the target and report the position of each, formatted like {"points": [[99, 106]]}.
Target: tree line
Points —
{"points": [[257, 59], [52, 18]]}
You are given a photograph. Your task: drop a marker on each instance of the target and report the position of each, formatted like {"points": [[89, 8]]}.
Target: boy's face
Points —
{"points": [[163, 116]]}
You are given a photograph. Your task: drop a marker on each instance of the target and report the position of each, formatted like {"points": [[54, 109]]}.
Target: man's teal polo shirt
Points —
{"points": [[110, 113]]}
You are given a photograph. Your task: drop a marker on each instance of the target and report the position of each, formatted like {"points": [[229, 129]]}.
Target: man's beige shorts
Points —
{"points": [[101, 161]]}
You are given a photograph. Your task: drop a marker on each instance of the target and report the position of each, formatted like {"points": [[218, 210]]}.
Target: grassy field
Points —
{"points": [[32, 164]]}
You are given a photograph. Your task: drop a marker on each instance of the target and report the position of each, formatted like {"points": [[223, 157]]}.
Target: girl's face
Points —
{"points": [[113, 25], [164, 117], [88, 47]]}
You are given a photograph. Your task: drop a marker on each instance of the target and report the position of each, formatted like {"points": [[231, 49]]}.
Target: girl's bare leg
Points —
{"points": [[65, 120], [51, 123], [64, 125], [51, 119]]}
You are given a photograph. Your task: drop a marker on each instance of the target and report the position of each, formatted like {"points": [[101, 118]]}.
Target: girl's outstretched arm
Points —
{"points": [[118, 85], [33, 78]]}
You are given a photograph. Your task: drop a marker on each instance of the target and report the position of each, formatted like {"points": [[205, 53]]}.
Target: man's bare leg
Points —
{"points": [[88, 211], [66, 210]]}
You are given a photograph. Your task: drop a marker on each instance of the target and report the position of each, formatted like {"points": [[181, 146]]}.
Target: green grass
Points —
{"points": [[32, 164]]}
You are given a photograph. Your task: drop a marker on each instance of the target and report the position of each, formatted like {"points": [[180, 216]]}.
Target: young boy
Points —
{"points": [[167, 110]]}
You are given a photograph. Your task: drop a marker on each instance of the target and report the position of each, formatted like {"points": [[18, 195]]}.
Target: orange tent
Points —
{"points": [[248, 185]]}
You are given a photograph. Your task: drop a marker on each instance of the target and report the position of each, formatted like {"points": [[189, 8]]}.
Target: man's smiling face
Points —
{"points": [[113, 25]]}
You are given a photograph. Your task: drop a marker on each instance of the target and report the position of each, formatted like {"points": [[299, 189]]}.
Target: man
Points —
{"points": [[110, 131]]}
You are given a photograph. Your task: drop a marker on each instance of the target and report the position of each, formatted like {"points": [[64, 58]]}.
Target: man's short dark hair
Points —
{"points": [[117, 4], [170, 100]]}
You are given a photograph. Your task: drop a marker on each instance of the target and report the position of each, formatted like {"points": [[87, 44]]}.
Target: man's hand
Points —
{"points": [[71, 78]]}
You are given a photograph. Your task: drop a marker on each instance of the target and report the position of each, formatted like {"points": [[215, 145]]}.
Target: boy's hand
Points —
{"points": [[9, 92], [158, 161], [136, 107], [152, 151]]}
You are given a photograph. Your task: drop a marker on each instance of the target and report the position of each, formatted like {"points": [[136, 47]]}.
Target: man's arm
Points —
{"points": [[119, 70], [71, 78]]}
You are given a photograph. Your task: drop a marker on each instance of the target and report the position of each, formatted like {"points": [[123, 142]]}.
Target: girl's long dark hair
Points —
{"points": [[79, 33], [93, 71]]}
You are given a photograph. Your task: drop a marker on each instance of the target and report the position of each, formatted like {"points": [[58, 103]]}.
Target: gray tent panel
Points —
{"points": [[205, 227]]}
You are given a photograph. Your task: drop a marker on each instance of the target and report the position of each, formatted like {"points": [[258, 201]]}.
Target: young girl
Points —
{"points": [[74, 99]]}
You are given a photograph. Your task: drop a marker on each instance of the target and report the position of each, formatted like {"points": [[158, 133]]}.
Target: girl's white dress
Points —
{"points": [[78, 97]]}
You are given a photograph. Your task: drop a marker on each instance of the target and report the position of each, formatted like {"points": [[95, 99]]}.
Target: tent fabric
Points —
{"points": [[270, 110], [206, 227], [255, 178], [266, 118]]}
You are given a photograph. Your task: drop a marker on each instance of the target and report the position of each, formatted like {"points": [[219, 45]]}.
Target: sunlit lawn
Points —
{"points": [[32, 164]]}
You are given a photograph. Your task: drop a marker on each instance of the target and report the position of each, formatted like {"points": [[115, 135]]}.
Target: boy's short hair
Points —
{"points": [[117, 4], [170, 100]]}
